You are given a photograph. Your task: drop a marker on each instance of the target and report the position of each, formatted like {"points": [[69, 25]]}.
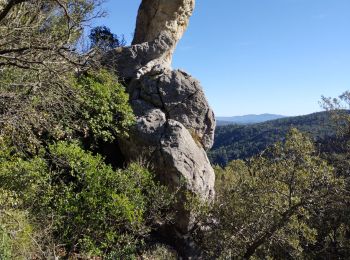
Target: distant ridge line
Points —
{"points": [[248, 119], [242, 141]]}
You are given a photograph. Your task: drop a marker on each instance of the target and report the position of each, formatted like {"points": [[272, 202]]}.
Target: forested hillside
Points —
{"points": [[243, 141]]}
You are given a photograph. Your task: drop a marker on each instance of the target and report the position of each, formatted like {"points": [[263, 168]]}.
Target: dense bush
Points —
{"points": [[22, 186], [102, 210], [321, 230], [333, 225], [263, 206], [16, 234], [95, 210], [38, 58], [104, 105], [58, 199], [93, 106]]}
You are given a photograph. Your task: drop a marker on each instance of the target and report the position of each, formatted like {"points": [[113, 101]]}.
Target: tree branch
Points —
{"points": [[8, 8], [260, 240]]}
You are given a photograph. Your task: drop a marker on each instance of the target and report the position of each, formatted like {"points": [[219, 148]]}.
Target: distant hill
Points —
{"points": [[247, 119], [239, 141]]}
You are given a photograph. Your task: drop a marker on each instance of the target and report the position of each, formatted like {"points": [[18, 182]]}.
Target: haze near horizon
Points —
{"points": [[255, 57]]}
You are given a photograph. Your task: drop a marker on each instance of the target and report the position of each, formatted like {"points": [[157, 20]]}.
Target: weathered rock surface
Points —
{"points": [[173, 118], [180, 97], [163, 16], [175, 124]]}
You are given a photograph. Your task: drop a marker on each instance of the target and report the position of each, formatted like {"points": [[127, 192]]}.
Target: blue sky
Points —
{"points": [[259, 56]]}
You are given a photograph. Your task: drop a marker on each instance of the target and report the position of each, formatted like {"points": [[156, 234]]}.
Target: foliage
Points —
{"points": [[244, 141], [339, 108], [102, 38], [38, 60], [104, 105], [332, 223], [96, 210], [337, 149], [263, 205], [15, 235], [321, 230], [92, 105], [57, 199], [103, 210], [22, 184]]}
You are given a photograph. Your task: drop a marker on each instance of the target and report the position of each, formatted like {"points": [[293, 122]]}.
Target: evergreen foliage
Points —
{"points": [[244, 141], [102, 38], [96, 211], [263, 206], [104, 105]]}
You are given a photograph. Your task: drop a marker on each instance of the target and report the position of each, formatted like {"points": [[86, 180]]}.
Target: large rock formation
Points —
{"points": [[175, 124], [156, 17]]}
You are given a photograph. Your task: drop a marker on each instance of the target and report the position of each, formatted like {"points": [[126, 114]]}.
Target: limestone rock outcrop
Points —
{"points": [[156, 17], [175, 125]]}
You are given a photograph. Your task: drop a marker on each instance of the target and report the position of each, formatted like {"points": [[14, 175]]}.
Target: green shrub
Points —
{"points": [[104, 105], [93, 105], [94, 209], [16, 235], [262, 206], [24, 187], [94, 202], [100, 209]]}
